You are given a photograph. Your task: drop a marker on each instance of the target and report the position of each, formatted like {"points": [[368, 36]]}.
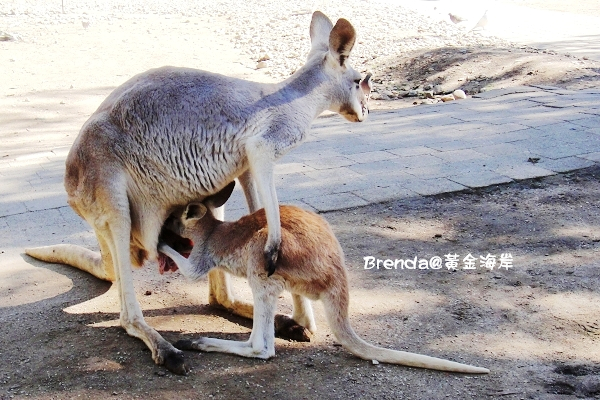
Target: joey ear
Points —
{"points": [[341, 40], [194, 211], [221, 197], [320, 27]]}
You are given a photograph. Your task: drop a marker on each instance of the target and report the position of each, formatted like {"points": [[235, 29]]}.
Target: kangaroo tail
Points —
{"points": [[75, 256], [336, 309]]}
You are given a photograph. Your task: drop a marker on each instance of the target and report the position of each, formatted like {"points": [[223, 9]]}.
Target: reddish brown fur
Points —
{"points": [[310, 265], [307, 243]]}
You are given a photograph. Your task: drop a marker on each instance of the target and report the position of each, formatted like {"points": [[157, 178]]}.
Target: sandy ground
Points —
{"points": [[535, 326]]}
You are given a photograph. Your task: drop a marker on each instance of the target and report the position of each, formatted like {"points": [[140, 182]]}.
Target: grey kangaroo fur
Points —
{"points": [[171, 136], [311, 266]]}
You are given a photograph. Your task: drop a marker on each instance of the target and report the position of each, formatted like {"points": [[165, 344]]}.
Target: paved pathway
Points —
{"points": [[492, 138], [495, 137]]}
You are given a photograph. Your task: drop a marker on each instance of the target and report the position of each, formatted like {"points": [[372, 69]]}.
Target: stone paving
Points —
{"points": [[495, 137], [492, 138]]}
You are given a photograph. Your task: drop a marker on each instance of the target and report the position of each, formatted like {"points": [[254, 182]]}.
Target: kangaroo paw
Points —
{"points": [[184, 344], [287, 328], [174, 361], [271, 255]]}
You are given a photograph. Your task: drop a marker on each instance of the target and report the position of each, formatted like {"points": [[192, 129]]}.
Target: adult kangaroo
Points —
{"points": [[172, 136]]}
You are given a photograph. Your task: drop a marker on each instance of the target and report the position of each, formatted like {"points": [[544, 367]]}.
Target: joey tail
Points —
{"points": [[336, 310]]}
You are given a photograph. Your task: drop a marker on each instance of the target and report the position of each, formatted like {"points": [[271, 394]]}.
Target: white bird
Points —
{"points": [[85, 24], [481, 24], [457, 19]]}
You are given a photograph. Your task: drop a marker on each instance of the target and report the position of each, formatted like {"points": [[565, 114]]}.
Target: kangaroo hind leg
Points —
{"points": [[261, 343], [112, 224]]}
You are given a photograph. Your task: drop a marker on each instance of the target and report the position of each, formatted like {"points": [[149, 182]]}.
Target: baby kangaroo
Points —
{"points": [[310, 266]]}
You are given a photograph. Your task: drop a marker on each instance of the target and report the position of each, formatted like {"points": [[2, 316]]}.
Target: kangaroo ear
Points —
{"points": [[218, 199], [341, 40], [194, 211], [366, 85], [320, 27]]}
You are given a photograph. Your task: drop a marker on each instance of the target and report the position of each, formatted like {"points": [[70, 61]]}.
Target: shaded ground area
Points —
{"points": [[535, 325]]}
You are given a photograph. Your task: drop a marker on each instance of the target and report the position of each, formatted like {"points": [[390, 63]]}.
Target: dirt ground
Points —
{"points": [[536, 325], [487, 68], [487, 62], [476, 69]]}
